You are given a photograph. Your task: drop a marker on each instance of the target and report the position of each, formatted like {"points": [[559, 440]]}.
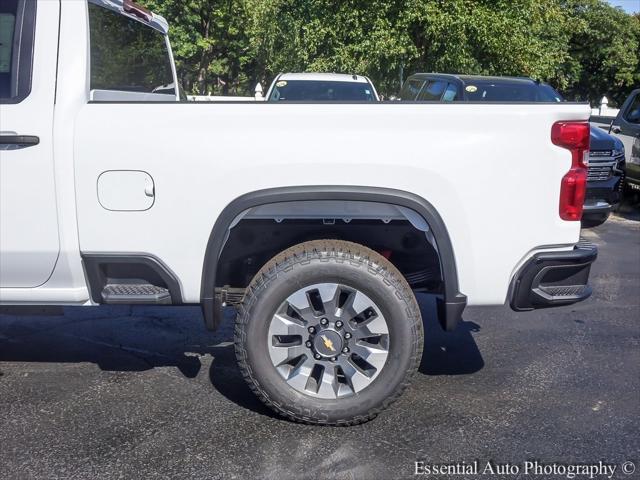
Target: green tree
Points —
{"points": [[210, 43], [604, 51], [365, 37], [378, 38], [489, 37]]}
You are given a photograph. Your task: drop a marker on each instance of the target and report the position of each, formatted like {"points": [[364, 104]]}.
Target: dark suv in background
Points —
{"points": [[606, 157], [626, 127]]}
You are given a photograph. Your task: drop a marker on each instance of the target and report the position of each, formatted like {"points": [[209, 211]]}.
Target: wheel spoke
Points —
{"points": [[331, 296], [299, 375], [365, 317], [298, 300], [373, 327], [281, 324], [329, 383], [355, 378], [360, 302], [327, 292], [376, 357], [282, 355]]}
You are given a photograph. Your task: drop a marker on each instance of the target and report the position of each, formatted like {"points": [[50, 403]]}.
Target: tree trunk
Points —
{"points": [[202, 80]]}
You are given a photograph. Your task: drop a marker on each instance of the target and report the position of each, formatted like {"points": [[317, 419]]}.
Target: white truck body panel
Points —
{"points": [[29, 242], [499, 203]]}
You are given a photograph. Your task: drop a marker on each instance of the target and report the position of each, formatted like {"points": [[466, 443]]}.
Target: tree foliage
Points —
{"points": [[491, 37], [586, 48], [365, 37], [604, 51], [210, 43]]}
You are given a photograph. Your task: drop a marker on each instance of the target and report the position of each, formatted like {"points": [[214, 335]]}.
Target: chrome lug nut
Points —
{"points": [[345, 350], [311, 330], [317, 356], [333, 359], [338, 324], [347, 335], [308, 344], [324, 321]]}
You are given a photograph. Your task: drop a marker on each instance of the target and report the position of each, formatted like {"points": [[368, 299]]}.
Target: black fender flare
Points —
{"points": [[450, 305]]}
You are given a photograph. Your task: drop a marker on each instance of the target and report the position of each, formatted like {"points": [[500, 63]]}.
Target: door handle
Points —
{"points": [[14, 142]]}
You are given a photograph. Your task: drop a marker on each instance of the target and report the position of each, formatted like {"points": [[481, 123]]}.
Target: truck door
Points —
{"points": [[29, 243]]}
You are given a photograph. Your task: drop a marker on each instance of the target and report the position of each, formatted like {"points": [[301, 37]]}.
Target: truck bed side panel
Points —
{"points": [[490, 170]]}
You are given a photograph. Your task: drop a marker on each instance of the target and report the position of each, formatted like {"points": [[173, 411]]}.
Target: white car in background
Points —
{"points": [[321, 87]]}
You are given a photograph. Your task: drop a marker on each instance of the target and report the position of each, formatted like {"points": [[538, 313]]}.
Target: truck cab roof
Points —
{"points": [[133, 10]]}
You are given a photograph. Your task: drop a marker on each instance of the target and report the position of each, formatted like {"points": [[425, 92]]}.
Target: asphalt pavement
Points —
{"points": [[147, 392]]}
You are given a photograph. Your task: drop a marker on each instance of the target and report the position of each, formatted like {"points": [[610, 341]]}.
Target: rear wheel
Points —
{"points": [[329, 332]]}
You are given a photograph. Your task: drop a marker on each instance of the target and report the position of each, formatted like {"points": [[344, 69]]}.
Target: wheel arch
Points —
{"points": [[450, 306]]}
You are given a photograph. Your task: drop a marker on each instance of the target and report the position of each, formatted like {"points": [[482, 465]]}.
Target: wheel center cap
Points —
{"points": [[328, 343]]}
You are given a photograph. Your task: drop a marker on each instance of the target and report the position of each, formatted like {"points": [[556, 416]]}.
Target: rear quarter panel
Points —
{"points": [[490, 170]]}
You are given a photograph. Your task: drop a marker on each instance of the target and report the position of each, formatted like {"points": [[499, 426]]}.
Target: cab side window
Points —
{"points": [[127, 55], [432, 91], [17, 28], [410, 90], [450, 93]]}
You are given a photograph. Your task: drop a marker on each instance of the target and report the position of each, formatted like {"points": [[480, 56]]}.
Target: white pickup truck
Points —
{"points": [[318, 222]]}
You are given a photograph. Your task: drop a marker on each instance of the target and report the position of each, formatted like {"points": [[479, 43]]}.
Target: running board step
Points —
{"points": [[561, 293], [127, 293]]}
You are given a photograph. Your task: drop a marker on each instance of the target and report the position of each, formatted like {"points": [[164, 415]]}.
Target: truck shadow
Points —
{"points": [[135, 339], [126, 339], [447, 353], [115, 338]]}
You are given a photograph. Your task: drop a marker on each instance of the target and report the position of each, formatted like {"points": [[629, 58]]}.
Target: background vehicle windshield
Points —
{"points": [[510, 92], [321, 91]]}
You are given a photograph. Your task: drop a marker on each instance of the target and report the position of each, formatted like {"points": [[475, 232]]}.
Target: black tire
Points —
{"points": [[336, 261]]}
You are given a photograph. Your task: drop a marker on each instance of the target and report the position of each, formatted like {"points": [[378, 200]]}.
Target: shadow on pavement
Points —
{"points": [[447, 353], [226, 378], [127, 339], [130, 339], [629, 208], [115, 338]]}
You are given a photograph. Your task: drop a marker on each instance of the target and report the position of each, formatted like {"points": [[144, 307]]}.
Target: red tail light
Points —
{"points": [[573, 136]]}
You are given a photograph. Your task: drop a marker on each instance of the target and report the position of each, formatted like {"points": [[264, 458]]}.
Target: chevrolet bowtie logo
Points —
{"points": [[327, 342]]}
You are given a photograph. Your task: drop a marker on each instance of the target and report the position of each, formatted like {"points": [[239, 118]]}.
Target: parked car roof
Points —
{"points": [[327, 77], [472, 78]]}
